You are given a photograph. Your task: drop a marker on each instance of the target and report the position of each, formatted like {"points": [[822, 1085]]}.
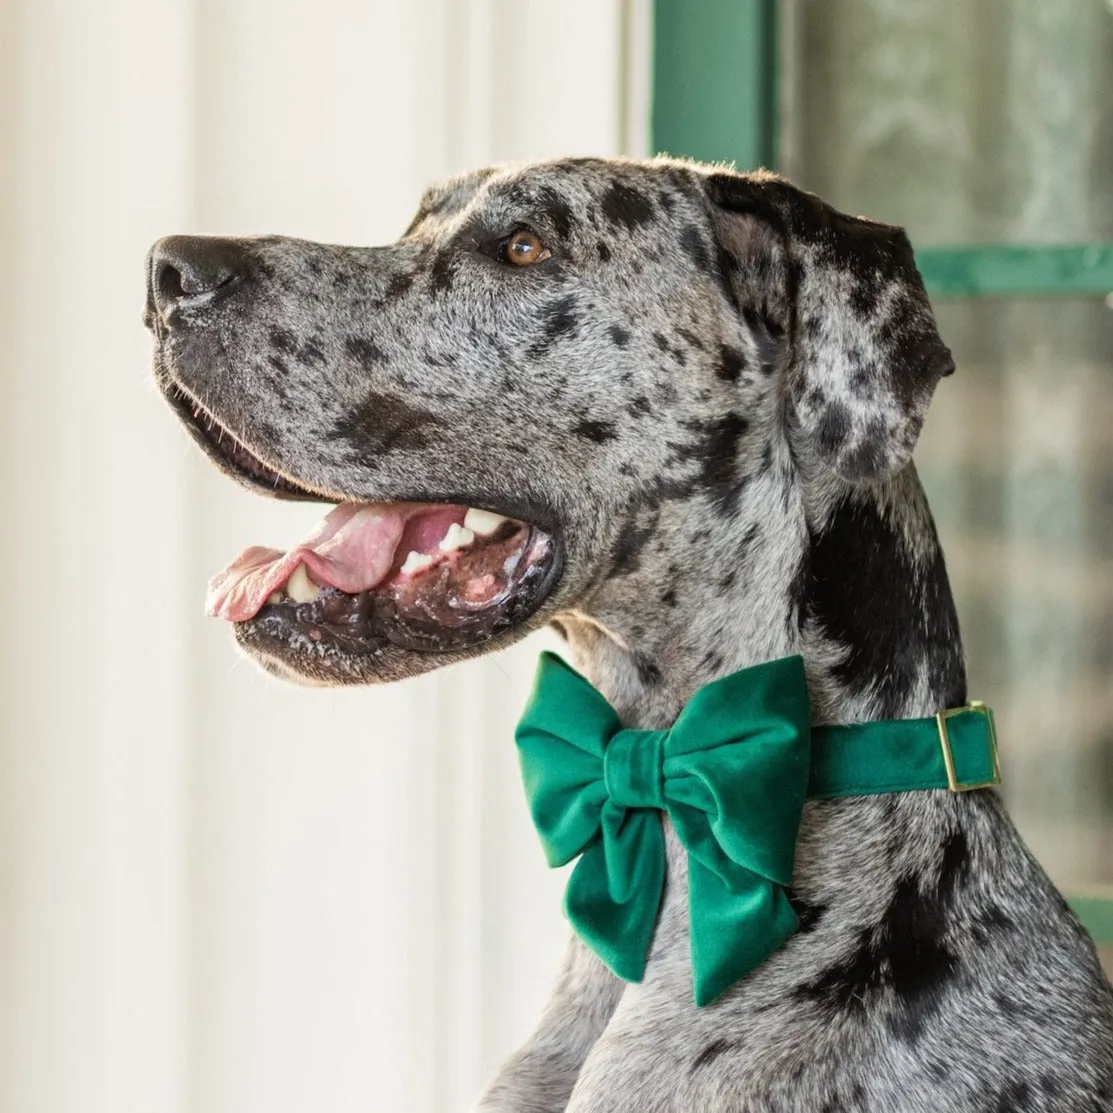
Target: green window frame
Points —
{"points": [[715, 99]]}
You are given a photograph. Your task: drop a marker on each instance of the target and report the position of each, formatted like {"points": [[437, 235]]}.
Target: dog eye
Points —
{"points": [[524, 248]]}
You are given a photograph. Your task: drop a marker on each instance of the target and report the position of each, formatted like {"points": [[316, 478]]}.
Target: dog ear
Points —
{"points": [[865, 351]]}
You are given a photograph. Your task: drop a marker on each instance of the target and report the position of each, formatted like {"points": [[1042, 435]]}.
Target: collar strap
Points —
{"points": [[956, 750]]}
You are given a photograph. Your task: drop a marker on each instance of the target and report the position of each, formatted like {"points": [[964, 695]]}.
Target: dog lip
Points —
{"points": [[360, 628], [230, 454], [235, 458]]}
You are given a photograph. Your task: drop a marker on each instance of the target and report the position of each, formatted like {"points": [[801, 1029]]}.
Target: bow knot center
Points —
{"points": [[633, 768]]}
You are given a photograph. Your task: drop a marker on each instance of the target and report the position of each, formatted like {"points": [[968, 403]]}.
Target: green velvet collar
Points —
{"points": [[732, 773]]}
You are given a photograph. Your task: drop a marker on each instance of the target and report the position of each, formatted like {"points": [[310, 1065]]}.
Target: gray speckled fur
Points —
{"points": [[713, 390]]}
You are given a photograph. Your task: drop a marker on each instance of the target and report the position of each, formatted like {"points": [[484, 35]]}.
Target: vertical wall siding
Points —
{"points": [[97, 617], [219, 894]]}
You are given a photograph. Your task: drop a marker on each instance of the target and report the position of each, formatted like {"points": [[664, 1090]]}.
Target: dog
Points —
{"points": [[668, 410]]}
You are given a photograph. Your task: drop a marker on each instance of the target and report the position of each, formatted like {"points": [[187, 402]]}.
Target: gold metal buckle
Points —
{"points": [[953, 783]]}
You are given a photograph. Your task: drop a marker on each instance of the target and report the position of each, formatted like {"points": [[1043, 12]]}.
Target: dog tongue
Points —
{"points": [[352, 549]]}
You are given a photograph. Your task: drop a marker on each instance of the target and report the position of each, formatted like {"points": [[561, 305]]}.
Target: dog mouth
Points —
{"points": [[426, 576]]}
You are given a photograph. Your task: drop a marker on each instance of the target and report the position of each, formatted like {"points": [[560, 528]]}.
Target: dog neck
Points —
{"points": [[852, 579]]}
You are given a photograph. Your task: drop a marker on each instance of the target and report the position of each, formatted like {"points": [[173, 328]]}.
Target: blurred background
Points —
{"points": [[219, 894]]}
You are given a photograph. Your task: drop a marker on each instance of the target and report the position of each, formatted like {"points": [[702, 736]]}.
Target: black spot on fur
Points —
{"points": [[1013, 1097], [690, 338], [1013, 1008], [893, 613], [939, 1070], [639, 406], [661, 342], [443, 272], [365, 350], [311, 354], [766, 333], [399, 285], [626, 555], [904, 954], [921, 966], [797, 593], [559, 318], [808, 914], [719, 456], [833, 428], [845, 985], [598, 431], [619, 336], [865, 291], [668, 598], [384, 423], [715, 450], [709, 1054], [695, 247], [731, 364], [451, 359], [1050, 1085], [991, 921], [648, 672], [604, 251], [622, 204], [753, 530], [557, 209], [869, 455], [284, 340], [726, 268]]}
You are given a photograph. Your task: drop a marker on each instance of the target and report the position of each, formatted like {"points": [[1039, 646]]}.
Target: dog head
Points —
{"points": [[547, 351]]}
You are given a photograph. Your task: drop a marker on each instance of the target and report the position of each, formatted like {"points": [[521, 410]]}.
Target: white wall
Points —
{"points": [[219, 894]]}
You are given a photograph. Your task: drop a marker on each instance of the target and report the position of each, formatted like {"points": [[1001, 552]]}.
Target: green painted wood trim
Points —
{"points": [[714, 80], [999, 270], [1096, 914]]}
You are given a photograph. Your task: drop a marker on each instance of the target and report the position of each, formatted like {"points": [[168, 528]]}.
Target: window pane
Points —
{"points": [[982, 122], [1017, 459], [964, 120]]}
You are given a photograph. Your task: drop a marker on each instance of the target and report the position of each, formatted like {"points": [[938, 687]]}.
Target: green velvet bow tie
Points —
{"points": [[732, 773]]}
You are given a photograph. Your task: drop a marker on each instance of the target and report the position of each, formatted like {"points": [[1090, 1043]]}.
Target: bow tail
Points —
{"points": [[614, 893], [735, 927]]}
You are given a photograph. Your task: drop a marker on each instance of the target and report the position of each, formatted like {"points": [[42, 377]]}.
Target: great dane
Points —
{"points": [[668, 410]]}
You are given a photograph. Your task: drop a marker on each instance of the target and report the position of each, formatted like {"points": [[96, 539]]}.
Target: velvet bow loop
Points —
{"points": [[731, 773]]}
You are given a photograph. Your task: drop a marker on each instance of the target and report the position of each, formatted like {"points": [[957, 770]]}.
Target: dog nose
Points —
{"points": [[190, 271]]}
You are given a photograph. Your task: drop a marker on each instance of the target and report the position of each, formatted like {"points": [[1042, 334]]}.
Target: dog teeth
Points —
{"points": [[457, 537], [483, 522], [416, 562], [300, 587]]}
